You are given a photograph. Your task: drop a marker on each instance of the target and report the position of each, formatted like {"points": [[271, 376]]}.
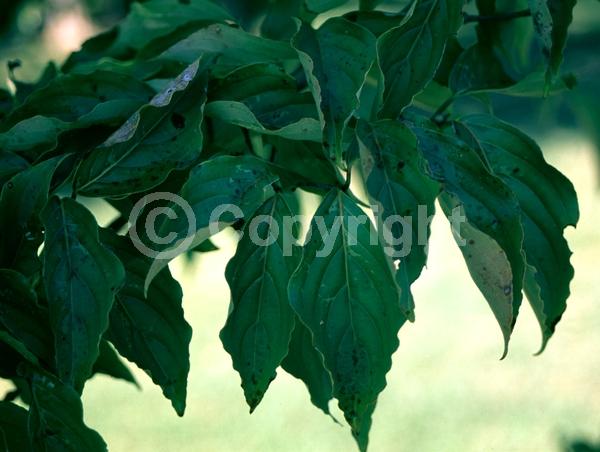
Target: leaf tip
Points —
{"points": [[179, 407], [505, 351], [545, 340]]}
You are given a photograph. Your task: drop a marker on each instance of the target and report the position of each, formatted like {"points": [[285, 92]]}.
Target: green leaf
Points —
{"points": [[231, 46], [67, 108], [344, 292], [278, 22], [6, 103], [161, 136], [145, 23], [109, 363], [398, 189], [261, 320], [21, 316], [56, 418], [475, 73], [263, 98], [239, 114], [21, 200], [14, 352], [24, 89], [205, 247], [377, 22], [13, 428], [163, 353], [241, 181], [320, 6], [35, 137], [302, 163], [511, 41], [478, 69], [10, 164], [551, 19], [304, 362], [486, 221], [81, 278], [410, 54], [452, 51], [548, 205], [336, 59], [71, 96]]}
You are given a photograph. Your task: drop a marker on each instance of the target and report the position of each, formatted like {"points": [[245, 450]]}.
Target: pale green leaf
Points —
{"points": [[548, 205], [486, 221], [261, 320], [222, 182], [344, 291]]}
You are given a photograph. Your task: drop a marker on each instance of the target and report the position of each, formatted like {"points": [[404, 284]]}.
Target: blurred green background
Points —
{"points": [[447, 390]]}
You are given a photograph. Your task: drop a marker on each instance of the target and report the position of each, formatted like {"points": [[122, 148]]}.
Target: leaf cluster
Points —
{"points": [[245, 103]]}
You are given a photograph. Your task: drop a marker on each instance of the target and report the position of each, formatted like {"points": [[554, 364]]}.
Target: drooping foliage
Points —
{"points": [[234, 105]]}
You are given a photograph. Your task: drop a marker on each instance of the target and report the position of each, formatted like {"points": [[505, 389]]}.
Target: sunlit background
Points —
{"points": [[447, 390]]}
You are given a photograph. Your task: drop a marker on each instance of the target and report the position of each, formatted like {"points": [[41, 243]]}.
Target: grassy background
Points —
{"points": [[447, 390]]}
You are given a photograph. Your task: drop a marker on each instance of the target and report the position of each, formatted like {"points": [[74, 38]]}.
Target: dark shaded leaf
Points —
{"points": [[377, 22], [162, 136], [21, 316], [69, 97], [410, 54], [402, 196], [145, 23], [24, 89], [511, 41], [263, 98], [13, 428], [56, 418], [6, 103], [109, 363], [303, 164], [150, 331], [551, 19], [336, 59], [231, 46], [21, 200], [320, 6], [306, 363], [81, 278], [478, 69], [10, 164]]}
